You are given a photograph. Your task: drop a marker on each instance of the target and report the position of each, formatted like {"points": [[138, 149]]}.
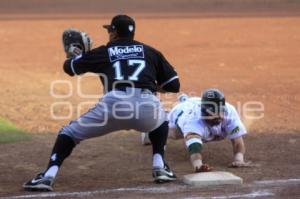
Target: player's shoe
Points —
{"points": [[145, 139], [162, 175], [39, 183]]}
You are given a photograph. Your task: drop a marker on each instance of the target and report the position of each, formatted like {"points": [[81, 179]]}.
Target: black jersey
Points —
{"points": [[124, 61]]}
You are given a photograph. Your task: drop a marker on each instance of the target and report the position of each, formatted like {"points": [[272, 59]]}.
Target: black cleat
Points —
{"points": [[162, 175], [39, 183]]}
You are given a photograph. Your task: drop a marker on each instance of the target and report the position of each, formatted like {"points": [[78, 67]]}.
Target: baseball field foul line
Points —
{"points": [[91, 193], [278, 182], [254, 194], [178, 188]]}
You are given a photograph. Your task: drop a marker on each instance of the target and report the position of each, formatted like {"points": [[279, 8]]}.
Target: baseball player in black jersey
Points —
{"points": [[131, 72]]}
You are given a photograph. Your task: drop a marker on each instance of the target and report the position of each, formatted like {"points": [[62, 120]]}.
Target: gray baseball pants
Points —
{"points": [[133, 108]]}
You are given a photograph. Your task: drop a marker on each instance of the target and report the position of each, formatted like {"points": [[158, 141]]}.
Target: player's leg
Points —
{"points": [[161, 171], [173, 134], [91, 124], [152, 119], [145, 138], [61, 150], [148, 116], [158, 139]]}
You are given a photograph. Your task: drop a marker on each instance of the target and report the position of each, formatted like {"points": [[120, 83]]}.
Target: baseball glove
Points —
{"points": [[75, 42], [204, 168]]}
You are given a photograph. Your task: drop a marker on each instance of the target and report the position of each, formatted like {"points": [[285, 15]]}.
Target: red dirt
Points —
{"points": [[249, 58]]}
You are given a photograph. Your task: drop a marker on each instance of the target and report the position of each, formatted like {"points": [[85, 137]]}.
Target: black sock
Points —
{"points": [[158, 138], [63, 147]]}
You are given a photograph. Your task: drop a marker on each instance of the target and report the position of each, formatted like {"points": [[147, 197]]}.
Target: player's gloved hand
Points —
{"points": [[74, 50], [75, 42], [204, 168]]}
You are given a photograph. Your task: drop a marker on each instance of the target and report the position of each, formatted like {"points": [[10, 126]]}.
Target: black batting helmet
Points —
{"points": [[212, 106]]}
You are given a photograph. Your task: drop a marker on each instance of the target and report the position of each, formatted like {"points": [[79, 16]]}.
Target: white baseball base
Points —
{"points": [[211, 178]]}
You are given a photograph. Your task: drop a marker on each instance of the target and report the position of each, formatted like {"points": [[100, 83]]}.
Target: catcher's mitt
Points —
{"points": [[204, 168], [76, 42]]}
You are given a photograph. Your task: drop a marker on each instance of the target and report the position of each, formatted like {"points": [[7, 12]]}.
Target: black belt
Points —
{"points": [[143, 90]]}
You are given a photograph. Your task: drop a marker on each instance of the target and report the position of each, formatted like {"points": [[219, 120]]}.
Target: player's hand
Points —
{"points": [[239, 164], [73, 51], [204, 168]]}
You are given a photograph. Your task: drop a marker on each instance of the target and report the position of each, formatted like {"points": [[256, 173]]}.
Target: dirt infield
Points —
{"points": [[75, 8], [249, 58]]}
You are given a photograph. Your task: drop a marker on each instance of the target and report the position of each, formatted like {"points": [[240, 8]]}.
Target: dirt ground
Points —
{"points": [[249, 58]]}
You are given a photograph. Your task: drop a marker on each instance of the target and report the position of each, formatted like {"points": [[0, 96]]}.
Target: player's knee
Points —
{"points": [[193, 143], [66, 130]]}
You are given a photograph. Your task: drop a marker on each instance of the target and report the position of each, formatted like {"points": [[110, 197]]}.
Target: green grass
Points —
{"points": [[10, 133]]}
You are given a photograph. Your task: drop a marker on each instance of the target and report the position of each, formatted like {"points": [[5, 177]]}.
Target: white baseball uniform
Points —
{"points": [[186, 117]]}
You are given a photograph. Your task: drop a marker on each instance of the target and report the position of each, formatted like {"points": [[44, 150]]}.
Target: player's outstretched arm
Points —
{"points": [[239, 150], [194, 146]]}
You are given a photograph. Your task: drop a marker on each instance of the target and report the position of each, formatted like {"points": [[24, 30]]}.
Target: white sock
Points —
{"points": [[52, 171], [158, 161]]}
